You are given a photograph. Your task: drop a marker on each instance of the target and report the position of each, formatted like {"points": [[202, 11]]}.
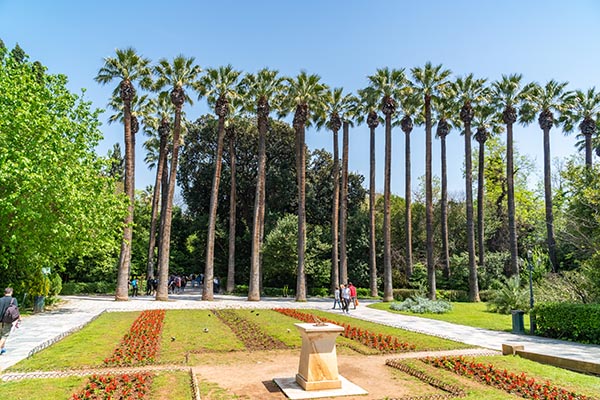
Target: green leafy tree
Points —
{"points": [[57, 202], [127, 67], [583, 109], [429, 81]]}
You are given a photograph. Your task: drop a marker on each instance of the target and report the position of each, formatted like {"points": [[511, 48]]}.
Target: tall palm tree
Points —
{"points": [[446, 112], [304, 94], [231, 136], [428, 82], [387, 84], [156, 156], [220, 86], [545, 101], [368, 108], [584, 110], [506, 96], [262, 93], [172, 80], [470, 92], [486, 123], [410, 115], [127, 67], [334, 109], [349, 105]]}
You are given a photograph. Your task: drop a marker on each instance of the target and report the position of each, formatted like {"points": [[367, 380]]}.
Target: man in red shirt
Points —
{"points": [[352, 294]]}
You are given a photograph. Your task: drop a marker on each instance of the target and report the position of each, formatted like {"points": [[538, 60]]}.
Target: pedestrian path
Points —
{"points": [[39, 330]]}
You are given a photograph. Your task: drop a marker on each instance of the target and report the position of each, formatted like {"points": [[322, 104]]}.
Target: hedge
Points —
{"points": [[577, 322]]}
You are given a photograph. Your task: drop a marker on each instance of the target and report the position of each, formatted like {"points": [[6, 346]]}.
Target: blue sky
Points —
{"points": [[341, 40]]}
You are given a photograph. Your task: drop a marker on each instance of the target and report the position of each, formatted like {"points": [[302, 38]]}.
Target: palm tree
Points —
{"points": [[410, 105], [428, 82], [263, 94], [303, 94], [334, 108], [157, 155], [220, 86], [127, 67], [486, 123], [469, 92], [172, 80], [231, 135], [506, 95], [367, 109], [387, 84], [584, 110], [547, 100], [446, 111]]}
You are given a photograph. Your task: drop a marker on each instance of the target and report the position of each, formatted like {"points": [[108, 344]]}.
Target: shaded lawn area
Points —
{"points": [[469, 314]]}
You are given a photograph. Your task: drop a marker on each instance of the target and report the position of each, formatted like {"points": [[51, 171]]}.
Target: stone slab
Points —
{"points": [[293, 391]]}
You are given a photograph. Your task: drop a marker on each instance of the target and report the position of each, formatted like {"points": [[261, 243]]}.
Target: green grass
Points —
{"points": [[28, 389], [421, 342], [85, 348], [187, 327], [172, 385], [470, 314], [276, 325]]}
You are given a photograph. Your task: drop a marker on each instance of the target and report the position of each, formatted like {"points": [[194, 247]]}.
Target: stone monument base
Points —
{"points": [[318, 385], [293, 391]]}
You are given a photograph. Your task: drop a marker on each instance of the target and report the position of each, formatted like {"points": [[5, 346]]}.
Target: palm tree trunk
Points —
{"points": [[408, 205], [444, 210], [548, 201], [232, 217], [335, 215], [259, 210], [207, 289], [429, 202], [344, 206], [372, 249], [480, 204], [162, 293], [473, 284], [388, 291], [122, 289], [301, 177], [155, 205], [588, 150], [512, 226]]}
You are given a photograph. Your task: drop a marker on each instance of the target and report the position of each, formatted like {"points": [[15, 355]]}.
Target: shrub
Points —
{"points": [[403, 294], [511, 296], [578, 322], [420, 305], [70, 288], [453, 295]]}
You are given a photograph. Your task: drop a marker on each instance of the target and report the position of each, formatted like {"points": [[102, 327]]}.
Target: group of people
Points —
{"points": [[343, 296], [176, 284], [6, 325]]}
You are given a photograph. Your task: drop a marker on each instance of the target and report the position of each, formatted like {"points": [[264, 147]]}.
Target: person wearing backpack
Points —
{"points": [[9, 310]]}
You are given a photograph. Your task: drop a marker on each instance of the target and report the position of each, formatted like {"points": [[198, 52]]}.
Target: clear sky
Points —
{"points": [[341, 40]]}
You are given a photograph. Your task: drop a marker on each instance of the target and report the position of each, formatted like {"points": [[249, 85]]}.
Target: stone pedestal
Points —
{"points": [[318, 368]]}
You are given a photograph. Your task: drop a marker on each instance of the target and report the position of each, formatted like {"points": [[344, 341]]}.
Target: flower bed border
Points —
{"points": [[253, 337]]}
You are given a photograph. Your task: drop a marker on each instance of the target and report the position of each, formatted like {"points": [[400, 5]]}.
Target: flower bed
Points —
{"points": [[140, 345], [518, 384], [248, 332], [377, 341], [125, 387]]}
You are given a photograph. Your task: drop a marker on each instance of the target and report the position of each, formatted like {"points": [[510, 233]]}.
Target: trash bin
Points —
{"points": [[517, 321], [38, 304]]}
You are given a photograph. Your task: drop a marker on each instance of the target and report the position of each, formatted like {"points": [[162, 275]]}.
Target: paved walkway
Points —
{"points": [[39, 330]]}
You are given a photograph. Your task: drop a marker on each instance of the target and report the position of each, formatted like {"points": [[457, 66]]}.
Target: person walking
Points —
{"points": [[336, 297], [345, 298], [6, 323], [353, 298]]}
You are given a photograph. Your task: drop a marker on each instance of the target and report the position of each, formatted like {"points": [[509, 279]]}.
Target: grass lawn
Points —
{"points": [[85, 348], [172, 385], [470, 314], [28, 389]]}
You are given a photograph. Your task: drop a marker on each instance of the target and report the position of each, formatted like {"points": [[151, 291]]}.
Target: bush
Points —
{"points": [[420, 305], [453, 295], [511, 296], [70, 288], [578, 322], [403, 294]]}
